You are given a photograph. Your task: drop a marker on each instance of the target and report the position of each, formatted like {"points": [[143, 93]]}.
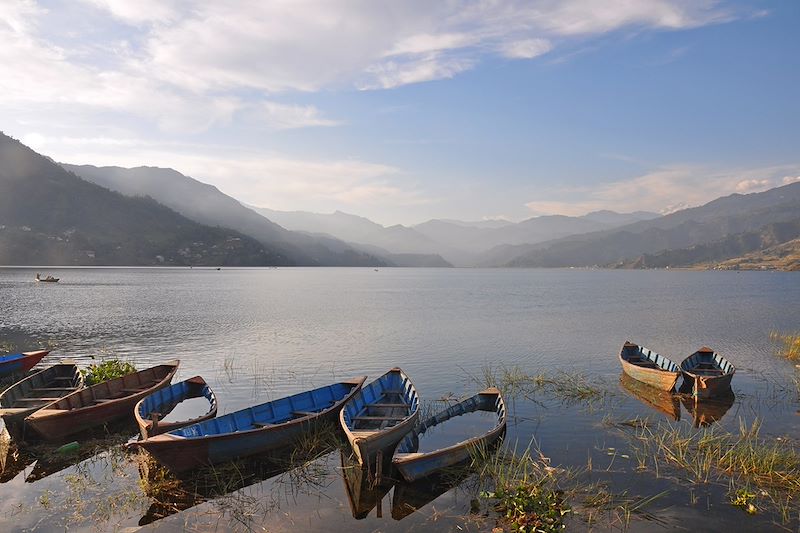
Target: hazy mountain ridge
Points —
{"points": [[50, 216], [208, 205], [731, 247], [785, 256], [710, 222]]}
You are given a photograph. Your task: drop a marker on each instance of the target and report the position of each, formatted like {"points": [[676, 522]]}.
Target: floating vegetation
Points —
{"points": [[746, 459], [106, 370], [514, 382]]}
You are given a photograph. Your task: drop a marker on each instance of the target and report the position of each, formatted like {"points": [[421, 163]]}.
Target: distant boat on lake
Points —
{"points": [[648, 367], [708, 373], [46, 279]]}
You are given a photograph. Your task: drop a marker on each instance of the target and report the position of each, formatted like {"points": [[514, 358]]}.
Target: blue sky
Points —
{"points": [[405, 111]]}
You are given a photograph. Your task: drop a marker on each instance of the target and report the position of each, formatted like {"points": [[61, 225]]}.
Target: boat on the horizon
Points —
{"points": [[19, 363], [414, 465], [99, 404], [250, 431], [150, 411], [30, 394], [46, 279], [379, 416], [647, 366], [708, 373]]}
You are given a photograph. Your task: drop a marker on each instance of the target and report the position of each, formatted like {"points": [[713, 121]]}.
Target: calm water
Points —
{"points": [[259, 334]]}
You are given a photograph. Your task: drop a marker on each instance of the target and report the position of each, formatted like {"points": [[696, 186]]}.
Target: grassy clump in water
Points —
{"points": [[771, 466], [523, 489], [789, 344], [105, 370]]}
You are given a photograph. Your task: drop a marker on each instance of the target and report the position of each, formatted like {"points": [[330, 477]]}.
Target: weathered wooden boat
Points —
{"points": [[413, 465], [28, 395], [663, 401], [99, 404], [648, 367], [363, 492], [254, 430], [150, 410], [379, 416], [708, 373], [17, 363]]}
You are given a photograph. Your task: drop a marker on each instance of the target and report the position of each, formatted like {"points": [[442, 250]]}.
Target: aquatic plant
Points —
{"points": [[105, 370], [789, 344]]}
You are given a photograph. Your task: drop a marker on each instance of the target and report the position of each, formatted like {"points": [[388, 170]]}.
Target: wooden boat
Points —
{"points": [[414, 465], [648, 367], [17, 363], [99, 404], [708, 373], [48, 279], [254, 430], [662, 401], [151, 409], [380, 415], [28, 395]]}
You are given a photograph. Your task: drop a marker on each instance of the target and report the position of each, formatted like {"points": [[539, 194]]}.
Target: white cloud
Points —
{"points": [[137, 12], [663, 191], [526, 49]]}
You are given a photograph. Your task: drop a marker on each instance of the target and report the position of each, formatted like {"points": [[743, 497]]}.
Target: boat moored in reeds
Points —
{"points": [[100, 403], [708, 373], [150, 410], [17, 363], [380, 415], [648, 367], [414, 465], [254, 430], [28, 395]]}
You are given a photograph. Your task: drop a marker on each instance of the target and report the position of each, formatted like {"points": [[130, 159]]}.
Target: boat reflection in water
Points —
{"points": [[172, 494], [12, 459], [662, 401], [707, 412], [409, 498], [364, 492]]}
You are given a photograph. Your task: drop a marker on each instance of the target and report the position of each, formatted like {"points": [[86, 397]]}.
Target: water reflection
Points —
{"points": [[364, 491], [707, 412], [409, 498], [172, 494], [12, 459], [662, 401]]}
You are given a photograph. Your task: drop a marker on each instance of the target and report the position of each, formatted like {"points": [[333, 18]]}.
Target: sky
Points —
{"points": [[403, 111]]}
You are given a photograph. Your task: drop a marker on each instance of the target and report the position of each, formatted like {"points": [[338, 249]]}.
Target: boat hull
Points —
{"points": [[391, 397], [19, 400], [708, 374], [414, 466], [181, 453], [77, 412], [658, 377], [164, 400], [20, 363]]}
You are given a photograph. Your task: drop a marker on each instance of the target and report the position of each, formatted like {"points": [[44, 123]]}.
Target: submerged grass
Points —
{"points": [[771, 467]]}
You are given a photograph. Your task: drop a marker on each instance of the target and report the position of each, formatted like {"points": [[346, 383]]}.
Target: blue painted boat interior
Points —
{"points": [[270, 413], [633, 352], [164, 400], [479, 402], [391, 389], [707, 363]]}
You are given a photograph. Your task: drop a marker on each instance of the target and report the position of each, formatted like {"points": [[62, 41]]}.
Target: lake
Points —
{"points": [[260, 334]]}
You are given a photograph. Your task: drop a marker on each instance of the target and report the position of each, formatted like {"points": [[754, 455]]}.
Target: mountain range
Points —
{"points": [[83, 214]]}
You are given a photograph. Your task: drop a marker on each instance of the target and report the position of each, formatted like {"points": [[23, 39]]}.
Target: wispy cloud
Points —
{"points": [[663, 191]]}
